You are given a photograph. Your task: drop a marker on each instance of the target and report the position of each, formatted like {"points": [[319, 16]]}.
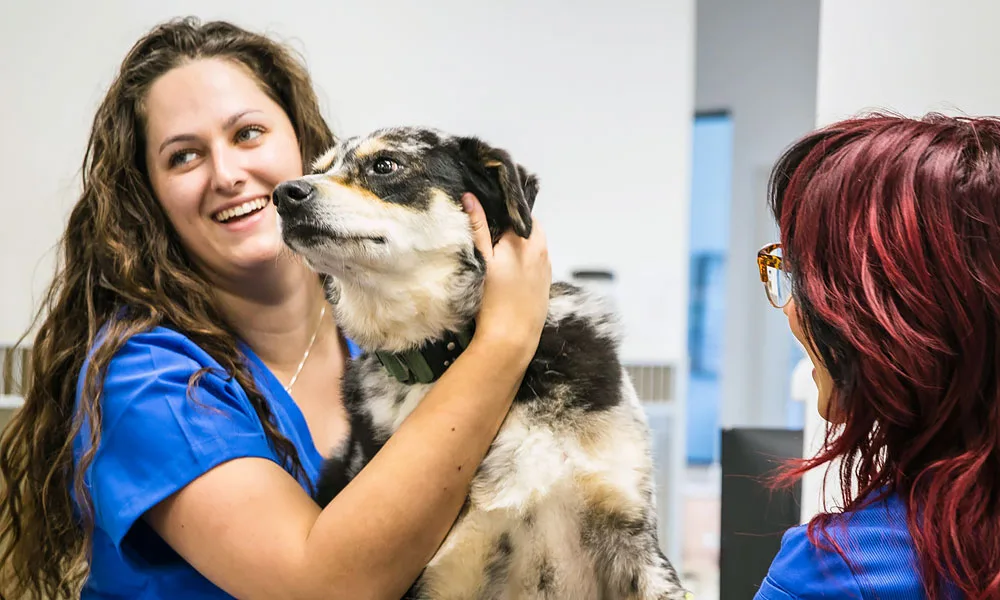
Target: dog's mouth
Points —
{"points": [[310, 234]]}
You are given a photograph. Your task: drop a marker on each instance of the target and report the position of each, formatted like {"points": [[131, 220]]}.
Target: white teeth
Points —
{"points": [[238, 211]]}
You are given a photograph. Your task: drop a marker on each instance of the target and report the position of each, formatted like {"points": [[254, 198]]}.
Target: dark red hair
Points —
{"points": [[891, 228]]}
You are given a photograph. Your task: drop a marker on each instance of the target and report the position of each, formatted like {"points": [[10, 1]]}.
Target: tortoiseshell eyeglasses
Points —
{"points": [[777, 281]]}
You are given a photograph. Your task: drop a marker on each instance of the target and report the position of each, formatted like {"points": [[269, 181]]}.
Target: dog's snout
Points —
{"points": [[291, 193]]}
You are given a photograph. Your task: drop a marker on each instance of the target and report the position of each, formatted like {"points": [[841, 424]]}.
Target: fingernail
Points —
{"points": [[467, 202]]}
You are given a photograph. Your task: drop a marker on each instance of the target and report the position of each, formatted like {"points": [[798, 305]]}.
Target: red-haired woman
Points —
{"points": [[889, 273]]}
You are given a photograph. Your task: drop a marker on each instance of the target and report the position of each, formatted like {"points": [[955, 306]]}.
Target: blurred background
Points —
{"points": [[652, 125]]}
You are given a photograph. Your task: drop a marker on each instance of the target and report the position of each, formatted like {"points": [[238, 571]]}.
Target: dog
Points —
{"points": [[562, 506]]}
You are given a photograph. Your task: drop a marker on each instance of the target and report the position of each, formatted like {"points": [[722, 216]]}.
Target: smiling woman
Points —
{"points": [[185, 379], [213, 165]]}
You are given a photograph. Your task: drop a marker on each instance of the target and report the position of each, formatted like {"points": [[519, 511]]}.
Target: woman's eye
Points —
{"points": [[249, 133], [384, 166], [182, 157]]}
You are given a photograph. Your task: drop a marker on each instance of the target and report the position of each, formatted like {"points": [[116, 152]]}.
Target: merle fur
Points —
{"points": [[571, 353], [576, 369]]}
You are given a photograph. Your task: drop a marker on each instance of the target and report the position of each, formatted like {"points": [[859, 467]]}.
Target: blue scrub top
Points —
{"points": [[875, 538], [155, 440]]}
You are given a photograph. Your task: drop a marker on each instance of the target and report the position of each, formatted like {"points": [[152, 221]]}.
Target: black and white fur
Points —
{"points": [[562, 506]]}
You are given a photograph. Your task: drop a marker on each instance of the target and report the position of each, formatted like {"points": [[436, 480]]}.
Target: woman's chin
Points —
{"points": [[260, 252], [825, 410]]}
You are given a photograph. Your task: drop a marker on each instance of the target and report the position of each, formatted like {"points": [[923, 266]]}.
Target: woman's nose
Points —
{"points": [[228, 171]]}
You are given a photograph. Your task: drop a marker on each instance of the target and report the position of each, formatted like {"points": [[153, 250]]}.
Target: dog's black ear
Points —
{"points": [[505, 189]]}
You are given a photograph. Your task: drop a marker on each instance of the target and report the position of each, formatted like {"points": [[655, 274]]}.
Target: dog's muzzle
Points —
{"points": [[291, 195]]}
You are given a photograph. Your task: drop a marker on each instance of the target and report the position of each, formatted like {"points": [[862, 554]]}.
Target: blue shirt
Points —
{"points": [[875, 538], [155, 440]]}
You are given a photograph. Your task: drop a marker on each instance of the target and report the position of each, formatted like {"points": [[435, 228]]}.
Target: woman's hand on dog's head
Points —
{"points": [[518, 276]]}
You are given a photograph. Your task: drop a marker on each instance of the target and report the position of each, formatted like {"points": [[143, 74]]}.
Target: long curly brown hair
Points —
{"points": [[121, 268]]}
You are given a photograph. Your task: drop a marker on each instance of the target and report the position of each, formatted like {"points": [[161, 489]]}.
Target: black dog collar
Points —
{"points": [[428, 362]]}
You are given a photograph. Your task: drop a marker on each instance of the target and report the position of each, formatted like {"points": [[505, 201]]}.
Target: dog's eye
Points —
{"points": [[384, 166]]}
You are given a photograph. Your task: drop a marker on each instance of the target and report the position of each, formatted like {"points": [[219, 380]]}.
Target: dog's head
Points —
{"points": [[382, 213]]}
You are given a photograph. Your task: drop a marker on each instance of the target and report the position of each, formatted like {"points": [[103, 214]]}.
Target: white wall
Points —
{"points": [[910, 56], [758, 61], [595, 96]]}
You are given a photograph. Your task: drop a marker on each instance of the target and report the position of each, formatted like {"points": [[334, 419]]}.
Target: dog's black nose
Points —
{"points": [[292, 192]]}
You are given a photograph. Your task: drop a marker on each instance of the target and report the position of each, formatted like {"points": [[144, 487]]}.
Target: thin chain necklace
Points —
{"points": [[302, 363]]}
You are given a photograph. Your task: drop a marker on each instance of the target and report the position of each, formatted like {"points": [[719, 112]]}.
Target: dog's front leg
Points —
{"points": [[621, 537], [629, 564]]}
